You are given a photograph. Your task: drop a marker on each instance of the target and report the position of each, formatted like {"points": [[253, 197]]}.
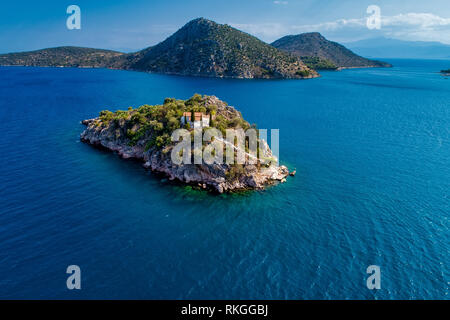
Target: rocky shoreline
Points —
{"points": [[212, 177]]}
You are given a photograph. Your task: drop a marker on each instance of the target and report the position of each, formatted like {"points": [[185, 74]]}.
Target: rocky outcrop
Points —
{"points": [[214, 177]]}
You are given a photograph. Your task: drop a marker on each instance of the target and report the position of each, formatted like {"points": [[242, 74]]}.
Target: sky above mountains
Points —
{"points": [[130, 25]]}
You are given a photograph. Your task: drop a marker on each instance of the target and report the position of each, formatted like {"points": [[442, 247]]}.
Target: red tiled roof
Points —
{"points": [[197, 115]]}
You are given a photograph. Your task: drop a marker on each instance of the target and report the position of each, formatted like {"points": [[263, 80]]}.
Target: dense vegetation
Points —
{"points": [[63, 57], [153, 125], [446, 71], [315, 45], [318, 63]]}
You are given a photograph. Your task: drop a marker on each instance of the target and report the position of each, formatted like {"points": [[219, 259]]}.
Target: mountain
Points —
{"points": [[313, 46], [205, 48], [63, 57], [200, 48], [392, 48]]}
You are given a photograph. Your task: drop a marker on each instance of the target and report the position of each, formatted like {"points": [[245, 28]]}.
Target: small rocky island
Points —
{"points": [[144, 134], [445, 73]]}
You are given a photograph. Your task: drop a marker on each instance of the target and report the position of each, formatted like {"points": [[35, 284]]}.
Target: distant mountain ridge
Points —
{"points": [[393, 48], [200, 48], [63, 57], [314, 45], [203, 47]]}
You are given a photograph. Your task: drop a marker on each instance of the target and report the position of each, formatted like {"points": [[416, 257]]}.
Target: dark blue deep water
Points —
{"points": [[372, 153]]}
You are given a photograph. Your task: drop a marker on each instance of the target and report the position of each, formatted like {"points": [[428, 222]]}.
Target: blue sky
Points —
{"points": [[129, 25]]}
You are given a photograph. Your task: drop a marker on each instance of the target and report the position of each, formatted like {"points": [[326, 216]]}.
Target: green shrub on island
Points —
{"points": [[318, 63], [235, 172], [302, 73], [152, 126], [446, 71]]}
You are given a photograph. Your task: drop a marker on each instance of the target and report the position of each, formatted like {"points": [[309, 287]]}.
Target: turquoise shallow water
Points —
{"points": [[371, 149]]}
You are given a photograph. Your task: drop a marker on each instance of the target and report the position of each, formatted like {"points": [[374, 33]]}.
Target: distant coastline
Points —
{"points": [[205, 48], [322, 54]]}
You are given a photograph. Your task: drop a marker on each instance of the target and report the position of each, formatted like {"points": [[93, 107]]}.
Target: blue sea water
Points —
{"points": [[371, 150]]}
